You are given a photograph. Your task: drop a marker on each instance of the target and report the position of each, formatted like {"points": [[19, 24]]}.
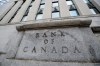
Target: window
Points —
{"points": [[3, 2], [40, 10], [42, 2], [39, 16], [85, 1], [69, 2], [55, 9], [55, 14], [92, 8], [73, 13], [24, 18], [72, 9], [55, 4], [42, 6], [27, 11], [54, 1], [94, 11]]}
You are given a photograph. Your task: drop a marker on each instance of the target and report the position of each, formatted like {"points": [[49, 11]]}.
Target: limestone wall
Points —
{"points": [[70, 45]]}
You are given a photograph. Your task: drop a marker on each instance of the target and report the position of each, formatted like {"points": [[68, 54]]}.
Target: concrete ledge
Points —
{"points": [[44, 63], [96, 29], [62, 23]]}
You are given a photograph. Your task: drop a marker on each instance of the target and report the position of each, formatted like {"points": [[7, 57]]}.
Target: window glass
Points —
{"points": [[43, 2], [41, 6], [55, 9], [69, 2], [24, 18], [55, 4], [3, 2], [86, 1], [73, 13], [55, 0], [39, 16], [92, 10], [55, 14]]}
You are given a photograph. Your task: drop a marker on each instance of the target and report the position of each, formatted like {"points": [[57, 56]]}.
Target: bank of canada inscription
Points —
{"points": [[49, 41]]}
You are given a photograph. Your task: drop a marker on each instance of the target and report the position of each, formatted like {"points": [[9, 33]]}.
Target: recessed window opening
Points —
{"points": [[72, 9], [55, 9], [40, 10], [27, 11]]}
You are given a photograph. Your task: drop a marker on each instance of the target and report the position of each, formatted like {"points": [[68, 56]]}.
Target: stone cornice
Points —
{"points": [[59, 23]]}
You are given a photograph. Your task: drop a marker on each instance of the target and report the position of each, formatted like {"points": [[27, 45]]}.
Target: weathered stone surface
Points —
{"points": [[59, 23], [62, 44], [44, 63], [95, 21], [97, 35], [6, 33], [9, 41], [2, 57], [92, 43], [13, 44]]}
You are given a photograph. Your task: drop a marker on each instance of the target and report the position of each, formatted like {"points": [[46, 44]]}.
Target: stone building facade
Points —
{"points": [[49, 32]]}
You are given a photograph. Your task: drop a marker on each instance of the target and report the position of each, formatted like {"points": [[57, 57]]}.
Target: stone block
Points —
{"points": [[6, 33], [60, 44], [44, 63], [97, 35]]}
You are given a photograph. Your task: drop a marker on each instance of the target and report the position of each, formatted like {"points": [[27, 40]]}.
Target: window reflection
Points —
{"points": [[73, 13], [39, 16], [55, 4], [55, 14], [40, 10], [42, 2], [85, 1], [24, 18], [72, 9], [3, 2], [69, 2], [42, 6], [55, 9]]}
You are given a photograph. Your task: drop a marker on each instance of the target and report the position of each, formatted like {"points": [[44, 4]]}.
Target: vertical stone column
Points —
{"points": [[96, 3], [64, 10], [82, 8], [5, 9], [11, 12], [33, 10], [21, 12], [48, 9]]}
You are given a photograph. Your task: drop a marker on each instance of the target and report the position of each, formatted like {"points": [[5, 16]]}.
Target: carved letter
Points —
{"points": [[52, 41], [44, 35], [37, 35], [62, 33], [34, 50], [53, 50], [45, 41], [53, 34], [43, 49], [25, 49], [76, 50], [64, 49]]}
